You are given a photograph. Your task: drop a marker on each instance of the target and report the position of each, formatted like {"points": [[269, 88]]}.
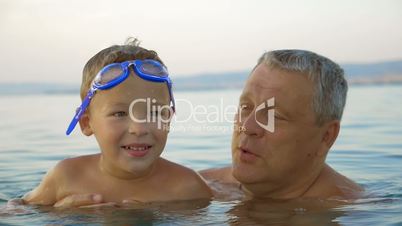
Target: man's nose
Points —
{"points": [[251, 127]]}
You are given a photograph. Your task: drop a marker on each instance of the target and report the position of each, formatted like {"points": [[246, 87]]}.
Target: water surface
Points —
{"points": [[368, 150]]}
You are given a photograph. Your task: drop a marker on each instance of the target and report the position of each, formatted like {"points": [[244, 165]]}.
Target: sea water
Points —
{"points": [[368, 150]]}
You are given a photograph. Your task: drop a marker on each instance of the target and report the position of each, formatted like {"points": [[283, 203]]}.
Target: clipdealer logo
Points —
{"points": [[201, 114], [270, 103]]}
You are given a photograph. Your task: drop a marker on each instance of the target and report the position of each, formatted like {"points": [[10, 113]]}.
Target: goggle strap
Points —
{"points": [[80, 111]]}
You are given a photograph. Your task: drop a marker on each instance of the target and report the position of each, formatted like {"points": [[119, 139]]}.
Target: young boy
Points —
{"points": [[120, 86]]}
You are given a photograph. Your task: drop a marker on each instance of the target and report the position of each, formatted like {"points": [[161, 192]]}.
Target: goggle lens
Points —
{"points": [[151, 68], [106, 76]]}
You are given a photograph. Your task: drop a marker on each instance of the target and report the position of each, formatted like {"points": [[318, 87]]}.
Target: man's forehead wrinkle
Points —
{"points": [[262, 86], [263, 81]]}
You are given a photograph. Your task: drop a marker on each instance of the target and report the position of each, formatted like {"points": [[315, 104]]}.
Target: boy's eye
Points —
{"points": [[155, 113], [162, 113], [119, 114]]}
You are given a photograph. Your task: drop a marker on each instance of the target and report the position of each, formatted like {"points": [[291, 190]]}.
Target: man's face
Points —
{"points": [[290, 152]]}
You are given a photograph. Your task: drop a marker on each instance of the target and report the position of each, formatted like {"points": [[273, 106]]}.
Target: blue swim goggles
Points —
{"points": [[113, 74]]}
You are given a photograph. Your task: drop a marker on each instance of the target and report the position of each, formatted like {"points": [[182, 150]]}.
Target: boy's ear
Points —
{"points": [[172, 113], [331, 133], [85, 125]]}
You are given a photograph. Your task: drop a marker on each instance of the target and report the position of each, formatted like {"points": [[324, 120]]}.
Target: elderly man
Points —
{"points": [[288, 119], [287, 161]]}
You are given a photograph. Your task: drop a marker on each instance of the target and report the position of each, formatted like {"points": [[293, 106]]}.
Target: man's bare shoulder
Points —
{"points": [[332, 184], [346, 187], [224, 175], [224, 186]]}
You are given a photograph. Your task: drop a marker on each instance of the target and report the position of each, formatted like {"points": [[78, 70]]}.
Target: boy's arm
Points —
{"points": [[46, 192]]}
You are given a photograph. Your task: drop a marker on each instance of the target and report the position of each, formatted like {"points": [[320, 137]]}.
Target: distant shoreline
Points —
{"points": [[380, 73], [54, 89]]}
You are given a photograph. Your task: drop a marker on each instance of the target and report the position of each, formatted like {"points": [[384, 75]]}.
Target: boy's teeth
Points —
{"points": [[136, 148]]}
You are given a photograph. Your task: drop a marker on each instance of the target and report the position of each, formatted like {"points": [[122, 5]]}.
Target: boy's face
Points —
{"points": [[129, 148]]}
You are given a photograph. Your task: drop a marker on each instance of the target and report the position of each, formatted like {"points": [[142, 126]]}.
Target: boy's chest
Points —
{"points": [[113, 191]]}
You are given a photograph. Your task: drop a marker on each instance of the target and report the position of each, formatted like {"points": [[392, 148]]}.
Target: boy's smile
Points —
{"points": [[137, 149]]}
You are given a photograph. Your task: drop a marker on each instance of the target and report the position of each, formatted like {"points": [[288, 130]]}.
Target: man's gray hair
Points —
{"points": [[330, 86]]}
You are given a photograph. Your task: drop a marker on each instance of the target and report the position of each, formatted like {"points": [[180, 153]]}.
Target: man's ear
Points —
{"points": [[85, 125], [331, 131]]}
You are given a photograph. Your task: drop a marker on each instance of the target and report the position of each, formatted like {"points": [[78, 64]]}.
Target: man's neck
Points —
{"points": [[298, 189]]}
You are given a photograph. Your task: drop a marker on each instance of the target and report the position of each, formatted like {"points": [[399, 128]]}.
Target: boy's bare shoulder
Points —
{"points": [[179, 172], [71, 166], [68, 172], [186, 182], [75, 165], [52, 185]]}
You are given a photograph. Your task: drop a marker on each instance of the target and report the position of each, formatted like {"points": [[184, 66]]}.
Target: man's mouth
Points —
{"points": [[136, 149], [246, 155]]}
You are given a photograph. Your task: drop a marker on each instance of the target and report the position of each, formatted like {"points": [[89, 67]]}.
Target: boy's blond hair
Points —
{"points": [[114, 54]]}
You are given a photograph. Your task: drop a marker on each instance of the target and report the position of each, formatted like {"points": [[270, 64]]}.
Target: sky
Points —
{"points": [[50, 41]]}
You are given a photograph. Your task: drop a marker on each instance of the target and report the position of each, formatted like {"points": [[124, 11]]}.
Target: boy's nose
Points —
{"points": [[138, 128]]}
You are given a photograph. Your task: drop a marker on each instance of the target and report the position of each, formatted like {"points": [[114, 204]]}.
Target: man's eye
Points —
{"points": [[279, 117], [120, 114], [244, 107]]}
